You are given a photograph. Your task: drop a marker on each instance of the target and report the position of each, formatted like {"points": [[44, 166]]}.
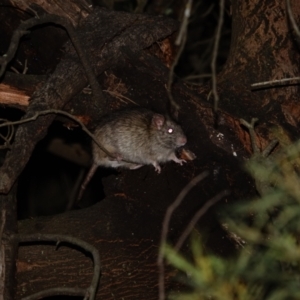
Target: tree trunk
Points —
{"points": [[263, 48]]}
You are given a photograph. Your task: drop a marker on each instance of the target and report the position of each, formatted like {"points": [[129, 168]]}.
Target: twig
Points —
{"points": [[74, 192], [197, 217], [291, 18], [215, 54], [25, 67], [119, 96], [9, 136], [6, 58], [207, 12], [271, 83], [165, 229], [190, 77], [57, 292], [250, 127], [91, 290], [86, 180], [181, 39], [267, 151], [184, 23], [140, 6], [256, 151], [262, 186]]}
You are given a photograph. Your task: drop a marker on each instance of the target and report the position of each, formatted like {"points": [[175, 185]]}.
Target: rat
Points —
{"points": [[134, 138]]}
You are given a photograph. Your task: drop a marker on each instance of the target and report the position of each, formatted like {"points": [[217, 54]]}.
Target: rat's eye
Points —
{"points": [[170, 130]]}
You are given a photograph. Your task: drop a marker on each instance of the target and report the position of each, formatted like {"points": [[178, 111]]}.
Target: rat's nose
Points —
{"points": [[181, 140]]}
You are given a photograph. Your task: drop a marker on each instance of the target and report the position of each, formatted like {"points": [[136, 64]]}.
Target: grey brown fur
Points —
{"points": [[136, 137]]}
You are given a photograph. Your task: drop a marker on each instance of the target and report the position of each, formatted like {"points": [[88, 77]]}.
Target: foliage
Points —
{"points": [[267, 267]]}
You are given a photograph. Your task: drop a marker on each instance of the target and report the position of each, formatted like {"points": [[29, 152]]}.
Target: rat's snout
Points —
{"points": [[181, 140]]}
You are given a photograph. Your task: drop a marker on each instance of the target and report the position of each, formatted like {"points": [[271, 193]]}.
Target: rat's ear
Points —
{"points": [[158, 121]]}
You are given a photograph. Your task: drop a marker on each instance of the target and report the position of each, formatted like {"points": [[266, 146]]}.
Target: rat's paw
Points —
{"points": [[181, 161], [157, 167], [178, 161]]}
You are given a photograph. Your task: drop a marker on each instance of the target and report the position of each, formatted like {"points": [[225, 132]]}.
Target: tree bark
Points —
{"points": [[8, 247], [263, 48]]}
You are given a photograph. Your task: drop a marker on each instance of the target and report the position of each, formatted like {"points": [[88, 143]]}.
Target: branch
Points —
{"points": [[214, 56], [292, 19], [250, 127], [9, 136], [181, 40], [256, 151], [56, 292], [90, 292], [271, 83], [262, 186]]}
